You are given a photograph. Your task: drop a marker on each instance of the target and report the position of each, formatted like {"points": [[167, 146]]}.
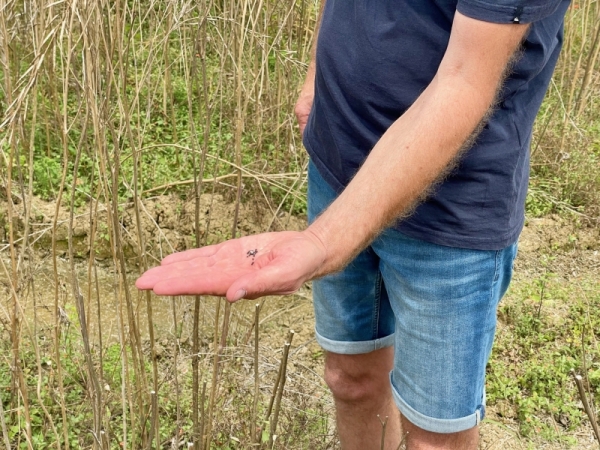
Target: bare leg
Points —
{"points": [[419, 439], [361, 390]]}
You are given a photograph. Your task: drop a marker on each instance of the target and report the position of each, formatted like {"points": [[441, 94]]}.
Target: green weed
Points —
{"points": [[548, 327]]}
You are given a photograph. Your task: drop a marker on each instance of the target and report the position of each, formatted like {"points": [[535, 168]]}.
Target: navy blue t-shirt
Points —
{"points": [[374, 58]]}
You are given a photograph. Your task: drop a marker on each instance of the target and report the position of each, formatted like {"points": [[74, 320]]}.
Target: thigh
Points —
{"points": [[352, 311], [444, 300]]}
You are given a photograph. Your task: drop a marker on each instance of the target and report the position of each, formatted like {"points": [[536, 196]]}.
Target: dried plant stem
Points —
{"points": [[63, 121], [240, 40], [133, 142], [214, 379], [278, 379], [402, 441], [4, 429], [589, 69], [281, 386], [144, 266], [40, 376], [202, 413], [133, 328], [136, 347], [126, 398], [571, 94], [199, 44], [253, 424], [586, 405], [154, 432], [104, 440], [197, 438], [383, 429], [176, 370], [96, 391], [18, 385], [93, 275]]}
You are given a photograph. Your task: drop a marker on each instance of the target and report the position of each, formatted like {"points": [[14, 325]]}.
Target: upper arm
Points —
{"points": [[479, 52]]}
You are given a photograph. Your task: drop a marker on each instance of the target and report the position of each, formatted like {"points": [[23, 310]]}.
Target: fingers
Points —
{"points": [[146, 281], [269, 280], [191, 254], [214, 284], [184, 278], [189, 269], [302, 121]]}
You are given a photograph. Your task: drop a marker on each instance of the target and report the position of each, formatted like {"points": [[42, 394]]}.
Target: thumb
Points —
{"points": [[302, 127], [266, 281]]}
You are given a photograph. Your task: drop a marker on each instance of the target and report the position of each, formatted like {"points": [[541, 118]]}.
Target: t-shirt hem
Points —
{"points": [[459, 241], [331, 180], [419, 232]]}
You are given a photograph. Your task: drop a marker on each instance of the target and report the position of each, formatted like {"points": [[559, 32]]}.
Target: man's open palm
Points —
{"points": [[249, 267]]}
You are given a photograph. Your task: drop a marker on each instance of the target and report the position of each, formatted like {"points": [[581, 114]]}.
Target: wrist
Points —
{"points": [[314, 235], [308, 87]]}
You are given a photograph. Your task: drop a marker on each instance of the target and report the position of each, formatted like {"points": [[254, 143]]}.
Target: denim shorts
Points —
{"points": [[435, 304]]}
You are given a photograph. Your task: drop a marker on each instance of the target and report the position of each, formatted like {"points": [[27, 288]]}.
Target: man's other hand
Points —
{"points": [[303, 107], [249, 267]]}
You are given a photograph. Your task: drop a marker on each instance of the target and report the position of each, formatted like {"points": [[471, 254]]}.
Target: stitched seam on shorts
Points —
{"points": [[491, 308], [377, 305], [497, 263]]}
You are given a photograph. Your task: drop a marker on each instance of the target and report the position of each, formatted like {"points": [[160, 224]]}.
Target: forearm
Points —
{"points": [[418, 147], [407, 160], [310, 73], [307, 92]]}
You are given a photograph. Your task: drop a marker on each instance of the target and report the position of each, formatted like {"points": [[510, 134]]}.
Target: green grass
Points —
{"points": [[549, 325]]}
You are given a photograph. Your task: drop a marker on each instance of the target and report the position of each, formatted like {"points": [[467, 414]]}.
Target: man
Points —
{"points": [[418, 119]]}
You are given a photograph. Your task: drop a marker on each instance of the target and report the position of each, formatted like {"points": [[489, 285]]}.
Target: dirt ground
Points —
{"points": [[168, 226]]}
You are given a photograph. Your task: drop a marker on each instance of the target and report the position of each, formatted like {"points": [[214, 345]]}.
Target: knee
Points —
{"points": [[350, 380], [344, 386]]}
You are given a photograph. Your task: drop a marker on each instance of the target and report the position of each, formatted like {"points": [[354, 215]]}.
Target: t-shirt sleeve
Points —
{"points": [[508, 11]]}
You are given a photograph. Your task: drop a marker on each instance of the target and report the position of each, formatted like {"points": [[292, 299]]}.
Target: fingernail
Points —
{"points": [[239, 294]]}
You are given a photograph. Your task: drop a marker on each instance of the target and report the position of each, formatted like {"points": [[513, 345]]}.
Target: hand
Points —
{"points": [[304, 105], [249, 267]]}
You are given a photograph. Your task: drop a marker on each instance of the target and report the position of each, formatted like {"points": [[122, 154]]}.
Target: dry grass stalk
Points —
{"points": [[96, 391], [206, 437], [278, 390], [590, 65], [3, 426], [586, 405], [383, 429], [253, 422]]}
